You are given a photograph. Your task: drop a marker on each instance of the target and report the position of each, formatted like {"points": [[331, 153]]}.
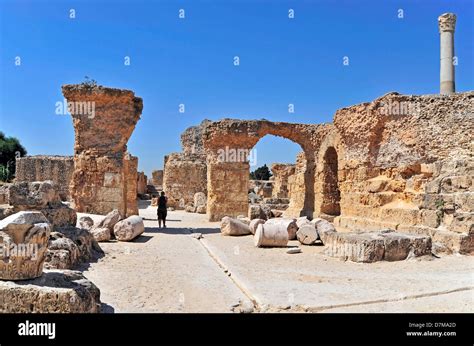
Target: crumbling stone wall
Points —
{"points": [[157, 177], [403, 162], [185, 175], [296, 186], [281, 173], [131, 183], [58, 169], [141, 183], [191, 138], [99, 183]]}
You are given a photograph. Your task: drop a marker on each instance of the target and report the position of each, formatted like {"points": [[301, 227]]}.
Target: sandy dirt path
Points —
{"points": [[164, 270]]}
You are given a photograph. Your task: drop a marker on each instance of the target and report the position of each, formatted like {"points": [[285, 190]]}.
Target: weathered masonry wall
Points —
{"points": [[402, 162], [59, 169], [228, 175], [131, 184], [185, 173], [99, 182], [141, 183], [281, 173]]}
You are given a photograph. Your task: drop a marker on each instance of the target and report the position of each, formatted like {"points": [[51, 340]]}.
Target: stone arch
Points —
{"points": [[328, 177], [228, 179]]}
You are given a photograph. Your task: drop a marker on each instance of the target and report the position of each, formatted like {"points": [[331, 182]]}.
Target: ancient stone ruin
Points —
{"points": [[400, 162], [185, 174], [104, 175], [58, 169]]}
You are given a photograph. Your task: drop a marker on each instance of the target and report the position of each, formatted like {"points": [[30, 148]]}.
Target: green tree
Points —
{"points": [[261, 173], [10, 149]]}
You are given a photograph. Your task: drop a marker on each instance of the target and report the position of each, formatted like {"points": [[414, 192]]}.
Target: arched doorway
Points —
{"points": [[228, 178]]}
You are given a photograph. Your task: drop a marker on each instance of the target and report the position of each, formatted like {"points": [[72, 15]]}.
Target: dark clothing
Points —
{"points": [[162, 214], [162, 209], [162, 202]]}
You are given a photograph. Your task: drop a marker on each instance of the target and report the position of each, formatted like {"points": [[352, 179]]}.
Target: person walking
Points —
{"points": [[162, 209]]}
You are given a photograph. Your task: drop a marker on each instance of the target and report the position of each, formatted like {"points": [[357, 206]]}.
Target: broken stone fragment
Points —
{"points": [[201, 209], [324, 228], [307, 234], [200, 199], [254, 224], [110, 220], [23, 244], [129, 229], [71, 246], [54, 292], [85, 222], [190, 209], [244, 219], [271, 235], [101, 234], [376, 246], [286, 223], [233, 227], [302, 221]]}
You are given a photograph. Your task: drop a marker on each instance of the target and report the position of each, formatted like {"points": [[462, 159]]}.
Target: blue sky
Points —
{"points": [[191, 61]]}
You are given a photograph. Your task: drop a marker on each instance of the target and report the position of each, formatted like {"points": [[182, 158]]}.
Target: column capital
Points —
{"points": [[447, 22]]}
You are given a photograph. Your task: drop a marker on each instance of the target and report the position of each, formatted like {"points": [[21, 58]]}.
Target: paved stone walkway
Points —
{"points": [[169, 270]]}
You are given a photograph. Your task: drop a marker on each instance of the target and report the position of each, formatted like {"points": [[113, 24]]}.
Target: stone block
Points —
{"points": [[54, 292]]}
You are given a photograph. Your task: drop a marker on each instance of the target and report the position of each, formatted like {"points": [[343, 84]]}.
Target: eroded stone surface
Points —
{"points": [[100, 179], [376, 246], [71, 246], [23, 243], [129, 229], [54, 292]]}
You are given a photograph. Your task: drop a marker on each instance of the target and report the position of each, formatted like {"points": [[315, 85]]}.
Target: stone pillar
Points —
{"points": [[447, 23], [227, 189], [103, 120]]}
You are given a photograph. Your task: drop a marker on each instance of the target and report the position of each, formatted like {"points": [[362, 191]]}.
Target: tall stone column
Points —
{"points": [[103, 120], [447, 23]]}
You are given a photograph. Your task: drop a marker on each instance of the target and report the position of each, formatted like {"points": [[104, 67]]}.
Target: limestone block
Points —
{"points": [[23, 243], [32, 196], [354, 247], [54, 292], [463, 223], [234, 227], [377, 246], [430, 218], [101, 234], [129, 229]]}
